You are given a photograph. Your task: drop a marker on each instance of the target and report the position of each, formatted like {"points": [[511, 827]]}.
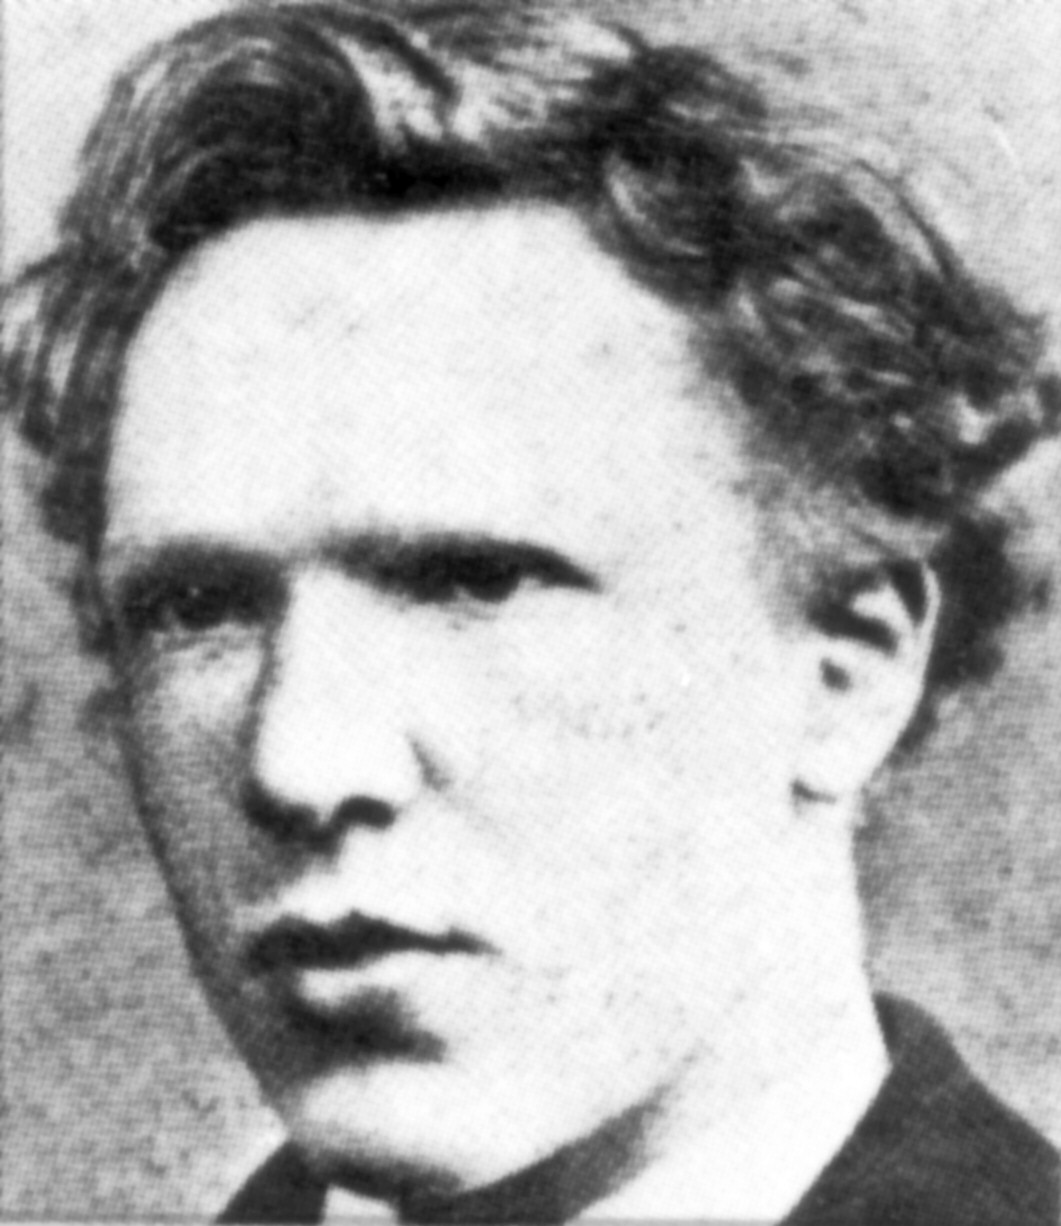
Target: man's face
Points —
{"points": [[462, 725]]}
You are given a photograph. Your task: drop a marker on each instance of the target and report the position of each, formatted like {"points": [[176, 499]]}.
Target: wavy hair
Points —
{"points": [[886, 385]]}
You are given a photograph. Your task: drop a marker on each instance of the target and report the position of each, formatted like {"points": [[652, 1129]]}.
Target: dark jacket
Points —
{"points": [[935, 1148]]}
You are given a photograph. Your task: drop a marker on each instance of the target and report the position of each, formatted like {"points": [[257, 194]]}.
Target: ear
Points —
{"points": [[870, 655]]}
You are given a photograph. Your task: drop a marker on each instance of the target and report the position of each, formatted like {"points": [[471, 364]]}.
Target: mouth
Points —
{"points": [[292, 945], [328, 980], [320, 961]]}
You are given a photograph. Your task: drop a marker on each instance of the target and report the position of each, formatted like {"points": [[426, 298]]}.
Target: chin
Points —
{"points": [[401, 1128], [398, 1128]]}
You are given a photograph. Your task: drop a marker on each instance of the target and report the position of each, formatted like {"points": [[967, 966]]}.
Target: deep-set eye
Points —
{"points": [[478, 576], [203, 606], [488, 578], [475, 573], [192, 606], [442, 577]]}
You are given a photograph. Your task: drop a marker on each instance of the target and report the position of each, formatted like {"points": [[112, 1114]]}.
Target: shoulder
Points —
{"points": [[282, 1189], [937, 1147]]}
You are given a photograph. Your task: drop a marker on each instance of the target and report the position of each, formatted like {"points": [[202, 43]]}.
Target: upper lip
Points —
{"points": [[293, 943]]}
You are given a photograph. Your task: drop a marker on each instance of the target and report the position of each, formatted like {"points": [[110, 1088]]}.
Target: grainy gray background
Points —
{"points": [[121, 1098]]}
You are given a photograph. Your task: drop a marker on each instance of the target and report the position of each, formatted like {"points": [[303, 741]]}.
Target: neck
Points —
{"points": [[752, 1137], [756, 1162]]}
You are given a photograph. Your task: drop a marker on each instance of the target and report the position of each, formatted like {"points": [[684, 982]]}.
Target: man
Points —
{"points": [[527, 489]]}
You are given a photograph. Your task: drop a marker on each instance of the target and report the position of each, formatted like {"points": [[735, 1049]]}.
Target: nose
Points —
{"points": [[330, 745]]}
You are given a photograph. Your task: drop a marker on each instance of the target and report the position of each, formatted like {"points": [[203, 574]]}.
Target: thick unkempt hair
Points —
{"points": [[885, 385]]}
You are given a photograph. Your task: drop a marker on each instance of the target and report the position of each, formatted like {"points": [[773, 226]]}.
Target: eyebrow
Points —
{"points": [[139, 567]]}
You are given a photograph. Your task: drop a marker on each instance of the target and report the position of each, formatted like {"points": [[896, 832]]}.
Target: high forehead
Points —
{"points": [[474, 362], [534, 268]]}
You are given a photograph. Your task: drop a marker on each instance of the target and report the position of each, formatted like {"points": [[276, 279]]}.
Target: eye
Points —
{"points": [[193, 606], [487, 578], [478, 573], [481, 576]]}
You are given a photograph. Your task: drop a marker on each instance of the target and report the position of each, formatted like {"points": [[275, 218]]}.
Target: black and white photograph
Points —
{"points": [[531, 612]]}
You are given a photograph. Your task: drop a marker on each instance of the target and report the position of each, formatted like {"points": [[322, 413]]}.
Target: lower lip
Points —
{"points": [[335, 991]]}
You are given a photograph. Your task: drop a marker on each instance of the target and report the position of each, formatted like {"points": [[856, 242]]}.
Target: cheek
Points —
{"points": [[187, 718], [184, 700], [627, 752]]}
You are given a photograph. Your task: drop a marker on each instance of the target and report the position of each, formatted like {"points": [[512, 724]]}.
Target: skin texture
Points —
{"points": [[567, 764]]}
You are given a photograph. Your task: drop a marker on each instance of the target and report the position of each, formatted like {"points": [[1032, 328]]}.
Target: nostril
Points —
{"points": [[281, 817], [287, 819], [364, 811]]}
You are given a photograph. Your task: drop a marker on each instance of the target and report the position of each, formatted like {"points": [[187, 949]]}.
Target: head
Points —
{"points": [[526, 489]]}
